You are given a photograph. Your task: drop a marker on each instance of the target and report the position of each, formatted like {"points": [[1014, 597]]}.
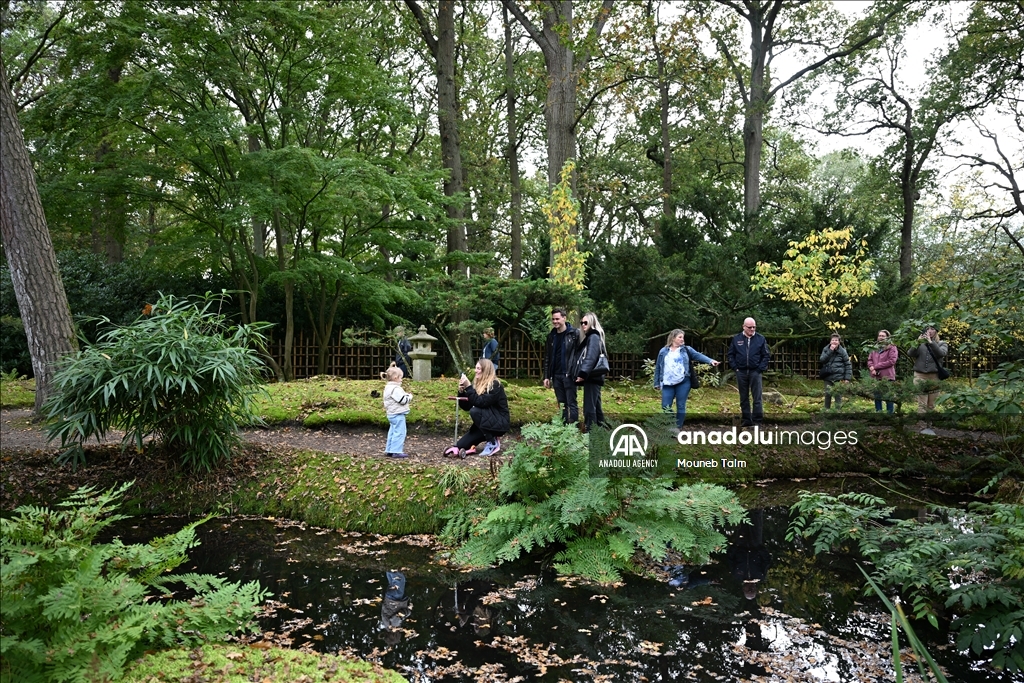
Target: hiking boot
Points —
{"points": [[491, 448], [399, 455]]}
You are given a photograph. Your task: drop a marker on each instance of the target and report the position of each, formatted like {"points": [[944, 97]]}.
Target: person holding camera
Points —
{"points": [[487, 404], [835, 367], [928, 357]]}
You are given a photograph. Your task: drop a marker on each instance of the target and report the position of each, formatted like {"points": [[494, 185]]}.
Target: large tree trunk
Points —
{"points": [[668, 203], [560, 106], [753, 122], [448, 121], [908, 192], [443, 50], [37, 283], [512, 152], [762, 16], [560, 60]]}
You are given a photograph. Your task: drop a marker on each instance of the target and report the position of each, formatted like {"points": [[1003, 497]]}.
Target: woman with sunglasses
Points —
{"points": [[589, 350]]}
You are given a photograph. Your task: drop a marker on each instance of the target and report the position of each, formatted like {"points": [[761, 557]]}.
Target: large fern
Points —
{"points": [[77, 610], [550, 498]]}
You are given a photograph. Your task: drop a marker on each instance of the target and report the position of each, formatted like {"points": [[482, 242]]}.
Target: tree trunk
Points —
{"points": [[448, 119], [259, 226], [289, 330], [908, 192], [668, 204], [753, 122], [38, 287], [512, 153], [563, 72], [560, 106]]}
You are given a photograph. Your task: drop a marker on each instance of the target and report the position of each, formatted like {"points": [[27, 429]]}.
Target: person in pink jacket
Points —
{"points": [[882, 366]]}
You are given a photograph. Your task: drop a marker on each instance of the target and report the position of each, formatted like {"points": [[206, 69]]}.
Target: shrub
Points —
{"points": [[76, 610], [604, 523], [179, 372], [967, 564]]}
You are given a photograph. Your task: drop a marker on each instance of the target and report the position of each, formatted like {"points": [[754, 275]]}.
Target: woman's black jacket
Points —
{"points": [[490, 410], [587, 353]]}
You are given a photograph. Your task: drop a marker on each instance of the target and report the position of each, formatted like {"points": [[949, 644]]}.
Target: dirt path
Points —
{"points": [[19, 434]]}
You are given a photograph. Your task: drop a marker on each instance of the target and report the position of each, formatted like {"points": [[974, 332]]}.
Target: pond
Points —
{"points": [[805, 619]]}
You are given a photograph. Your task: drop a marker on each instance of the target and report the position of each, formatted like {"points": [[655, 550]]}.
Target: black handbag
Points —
{"points": [[942, 372], [602, 367], [823, 372]]}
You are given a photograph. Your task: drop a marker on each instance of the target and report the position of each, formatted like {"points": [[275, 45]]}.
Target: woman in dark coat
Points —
{"points": [[589, 350], [835, 367], [488, 407]]}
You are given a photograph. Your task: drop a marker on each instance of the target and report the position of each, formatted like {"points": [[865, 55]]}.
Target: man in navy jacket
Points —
{"points": [[748, 356]]}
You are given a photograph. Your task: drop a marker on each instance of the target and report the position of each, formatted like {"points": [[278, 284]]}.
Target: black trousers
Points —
{"points": [[565, 394], [592, 412]]}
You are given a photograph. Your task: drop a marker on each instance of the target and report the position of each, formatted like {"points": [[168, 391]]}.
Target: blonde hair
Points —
{"points": [[673, 334], [393, 374], [485, 377], [593, 324]]}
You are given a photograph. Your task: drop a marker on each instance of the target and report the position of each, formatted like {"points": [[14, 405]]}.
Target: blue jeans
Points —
{"points": [[396, 434], [678, 393], [749, 383], [878, 403]]}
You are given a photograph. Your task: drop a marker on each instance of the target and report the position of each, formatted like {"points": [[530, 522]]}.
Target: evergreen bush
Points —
{"points": [[179, 372], [550, 498], [75, 610]]}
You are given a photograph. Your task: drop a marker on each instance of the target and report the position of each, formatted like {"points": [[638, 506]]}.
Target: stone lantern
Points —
{"points": [[421, 354]]}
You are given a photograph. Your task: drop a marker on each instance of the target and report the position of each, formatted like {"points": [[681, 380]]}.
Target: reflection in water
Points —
{"points": [[354, 594], [395, 607], [747, 557]]}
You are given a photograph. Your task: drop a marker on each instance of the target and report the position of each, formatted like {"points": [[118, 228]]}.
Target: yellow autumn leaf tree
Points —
{"points": [[826, 274], [562, 212]]}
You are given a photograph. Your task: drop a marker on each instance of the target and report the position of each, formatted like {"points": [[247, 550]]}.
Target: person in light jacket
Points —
{"points": [[396, 406], [927, 358], [835, 367], [882, 366], [673, 373]]}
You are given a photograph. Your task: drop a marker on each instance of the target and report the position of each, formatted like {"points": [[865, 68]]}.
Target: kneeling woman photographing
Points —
{"points": [[487, 404]]}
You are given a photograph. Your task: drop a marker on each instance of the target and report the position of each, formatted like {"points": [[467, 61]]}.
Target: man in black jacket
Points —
{"points": [[748, 356], [558, 364]]}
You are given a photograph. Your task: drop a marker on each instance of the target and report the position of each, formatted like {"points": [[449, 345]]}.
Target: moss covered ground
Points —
{"points": [[242, 664]]}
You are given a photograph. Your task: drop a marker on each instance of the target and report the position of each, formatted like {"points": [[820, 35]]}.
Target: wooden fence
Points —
{"points": [[363, 357]]}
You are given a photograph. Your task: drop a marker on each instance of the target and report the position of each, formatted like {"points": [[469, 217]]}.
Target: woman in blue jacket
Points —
{"points": [[674, 371]]}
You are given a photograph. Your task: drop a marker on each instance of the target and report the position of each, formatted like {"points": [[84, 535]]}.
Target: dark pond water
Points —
{"points": [[805, 619]]}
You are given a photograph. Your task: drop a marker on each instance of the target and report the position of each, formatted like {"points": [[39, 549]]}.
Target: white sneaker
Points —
{"points": [[491, 448]]}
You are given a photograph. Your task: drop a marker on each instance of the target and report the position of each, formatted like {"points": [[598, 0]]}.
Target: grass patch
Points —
{"points": [[354, 494], [17, 393], [319, 401], [241, 664]]}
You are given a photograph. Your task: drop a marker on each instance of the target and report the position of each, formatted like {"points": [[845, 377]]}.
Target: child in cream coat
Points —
{"points": [[396, 405]]}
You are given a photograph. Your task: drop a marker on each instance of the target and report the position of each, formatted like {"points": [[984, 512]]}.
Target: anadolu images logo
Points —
{"points": [[627, 444]]}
